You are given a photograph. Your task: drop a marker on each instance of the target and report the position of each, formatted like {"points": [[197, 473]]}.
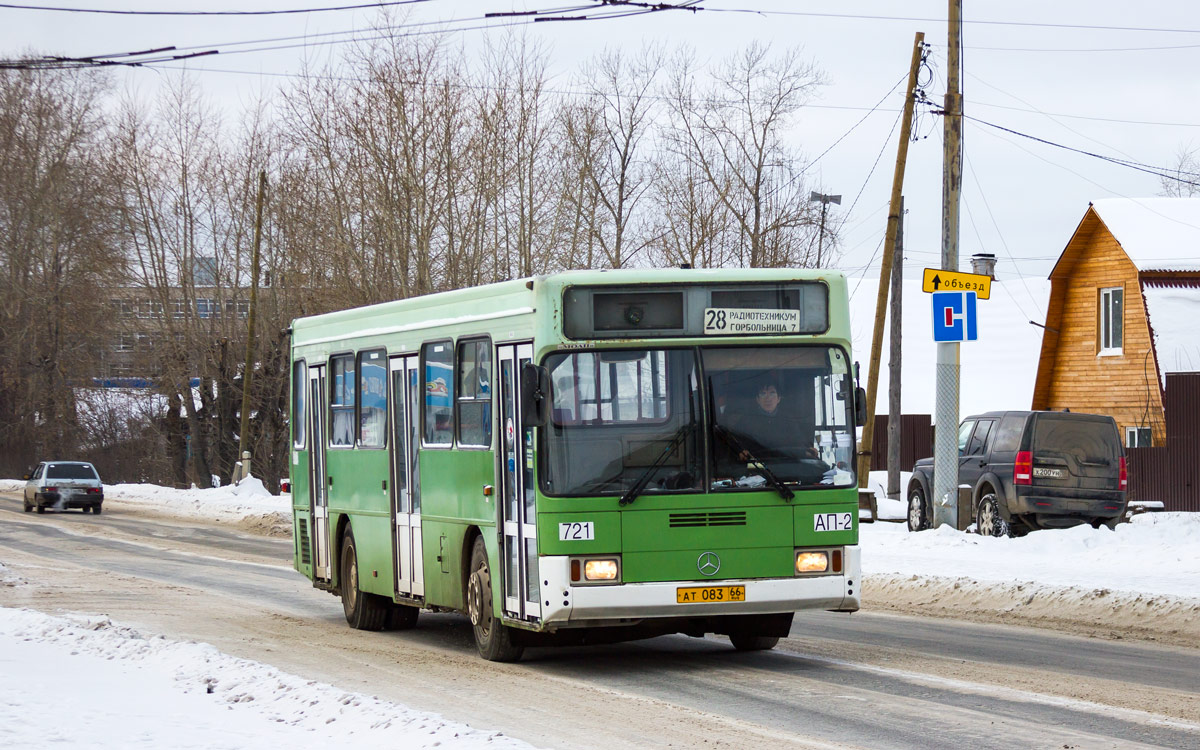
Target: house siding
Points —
{"points": [[1072, 375]]}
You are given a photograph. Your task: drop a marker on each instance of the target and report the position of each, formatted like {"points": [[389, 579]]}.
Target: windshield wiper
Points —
{"points": [[644, 479], [725, 434]]}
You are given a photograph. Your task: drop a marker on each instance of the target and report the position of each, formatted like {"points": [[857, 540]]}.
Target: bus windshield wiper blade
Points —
{"points": [[725, 434], [644, 479]]}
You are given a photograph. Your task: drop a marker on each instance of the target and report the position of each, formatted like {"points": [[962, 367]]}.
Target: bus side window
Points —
{"points": [[474, 393], [299, 391], [372, 398], [341, 402], [437, 383]]}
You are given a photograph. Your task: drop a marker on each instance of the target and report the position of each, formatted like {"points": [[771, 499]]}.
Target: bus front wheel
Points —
{"points": [[363, 611], [753, 642], [493, 639]]}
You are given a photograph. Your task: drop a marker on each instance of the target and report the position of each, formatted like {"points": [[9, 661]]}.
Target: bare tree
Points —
{"points": [[56, 250], [1183, 180], [733, 130], [605, 134]]}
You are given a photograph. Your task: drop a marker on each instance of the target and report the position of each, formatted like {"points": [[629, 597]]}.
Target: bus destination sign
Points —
{"points": [[730, 321], [940, 280]]}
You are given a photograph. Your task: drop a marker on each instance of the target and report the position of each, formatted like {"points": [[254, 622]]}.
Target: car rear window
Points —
{"points": [[70, 471], [1008, 435], [1093, 439]]}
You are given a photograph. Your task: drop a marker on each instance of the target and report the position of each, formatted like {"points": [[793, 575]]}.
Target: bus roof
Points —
{"points": [[522, 296]]}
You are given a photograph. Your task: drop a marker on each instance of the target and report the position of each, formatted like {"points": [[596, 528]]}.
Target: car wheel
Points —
{"points": [[96, 509], [41, 508], [28, 507], [402, 617], [988, 521], [364, 611], [918, 509], [493, 639], [754, 642]]}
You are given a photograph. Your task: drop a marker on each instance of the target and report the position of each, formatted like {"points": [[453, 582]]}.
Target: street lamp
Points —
{"points": [[824, 200]]}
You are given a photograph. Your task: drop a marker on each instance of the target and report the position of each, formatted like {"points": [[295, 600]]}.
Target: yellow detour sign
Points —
{"points": [[937, 280]]}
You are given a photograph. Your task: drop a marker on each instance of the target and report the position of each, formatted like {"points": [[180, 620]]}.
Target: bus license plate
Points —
{"points": [[707, 594]]}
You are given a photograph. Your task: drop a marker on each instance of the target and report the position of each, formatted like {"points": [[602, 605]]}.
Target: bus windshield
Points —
{"points": [[678, 420]]}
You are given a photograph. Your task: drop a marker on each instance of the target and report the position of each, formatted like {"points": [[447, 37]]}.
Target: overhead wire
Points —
{"points": [[278, 12], [1129, 163], [999, 233], [487, 21]]}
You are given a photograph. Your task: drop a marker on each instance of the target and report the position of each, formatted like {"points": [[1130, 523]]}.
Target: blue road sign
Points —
{"points": [[954, 316]]}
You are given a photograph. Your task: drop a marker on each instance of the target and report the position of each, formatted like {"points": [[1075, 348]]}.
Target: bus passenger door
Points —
{"points": [[522, 593], [317, 479], [406, 491]]}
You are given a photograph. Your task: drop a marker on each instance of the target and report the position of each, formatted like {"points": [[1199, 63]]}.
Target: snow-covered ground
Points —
{"points": [[1146, 565], [86, 682]]}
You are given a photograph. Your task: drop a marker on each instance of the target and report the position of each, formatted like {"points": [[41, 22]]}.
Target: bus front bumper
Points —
{"points": [[565, 605]]}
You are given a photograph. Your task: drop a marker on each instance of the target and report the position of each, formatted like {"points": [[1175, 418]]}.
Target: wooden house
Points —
{"points": [[1124, 311]]}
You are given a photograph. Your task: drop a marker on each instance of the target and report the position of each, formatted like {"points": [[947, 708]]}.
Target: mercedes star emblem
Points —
{"points": [[709, 563]]}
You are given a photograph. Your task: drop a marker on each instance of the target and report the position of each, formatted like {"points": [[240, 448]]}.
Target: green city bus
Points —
{"points": [[583, 457]]}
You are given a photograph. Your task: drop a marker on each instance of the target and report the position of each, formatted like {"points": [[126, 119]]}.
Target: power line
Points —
{"points": [[1000, 234], [977, 21], [1082, 49], [1147, 168], [487, 21], [1087, 117], [288, 11]]}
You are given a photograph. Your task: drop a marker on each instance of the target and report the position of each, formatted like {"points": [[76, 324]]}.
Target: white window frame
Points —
{"points": [[1107, 349], [1131, 437]]}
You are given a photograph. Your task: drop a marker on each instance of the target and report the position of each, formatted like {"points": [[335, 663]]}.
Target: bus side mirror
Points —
{"points": [[535, 395], [860, 407]]}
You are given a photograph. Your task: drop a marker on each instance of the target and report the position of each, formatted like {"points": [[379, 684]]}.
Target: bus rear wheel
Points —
{"points": [[493, 639], [363, 611]]}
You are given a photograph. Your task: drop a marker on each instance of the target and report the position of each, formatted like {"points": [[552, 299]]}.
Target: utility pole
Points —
{"points": [[244, 431], [824, 200], [945, 436], [893, 451], [893, 230]]}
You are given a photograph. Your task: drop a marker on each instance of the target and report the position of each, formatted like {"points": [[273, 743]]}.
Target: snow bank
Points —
{"points": [[247, 499], [185, 695], [1152, 555]]}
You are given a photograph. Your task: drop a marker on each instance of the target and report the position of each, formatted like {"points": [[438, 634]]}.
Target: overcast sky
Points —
{"points": [[1128, 92]]}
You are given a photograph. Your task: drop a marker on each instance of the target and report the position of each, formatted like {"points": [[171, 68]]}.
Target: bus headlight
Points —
{"points": [[812, 562], [586, 570], [600, 570]]}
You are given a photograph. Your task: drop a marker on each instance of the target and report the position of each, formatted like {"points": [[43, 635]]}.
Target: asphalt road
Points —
{"points": [[862, 680]]}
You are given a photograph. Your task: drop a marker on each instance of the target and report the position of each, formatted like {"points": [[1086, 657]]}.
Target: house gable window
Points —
{"points": [[1138, 437], [1112, 318]]}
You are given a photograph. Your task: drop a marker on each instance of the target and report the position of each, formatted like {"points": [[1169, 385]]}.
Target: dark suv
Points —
{"points": [[1024, 470]]}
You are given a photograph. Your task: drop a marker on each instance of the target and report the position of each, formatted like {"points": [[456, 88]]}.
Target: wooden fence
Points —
{"points": [[916, 440], [1170, 474]]}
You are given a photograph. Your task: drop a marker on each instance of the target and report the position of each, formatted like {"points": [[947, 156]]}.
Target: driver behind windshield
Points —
{"points": [[772, 431]]}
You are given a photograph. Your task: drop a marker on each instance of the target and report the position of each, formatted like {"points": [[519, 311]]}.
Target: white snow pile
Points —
{"points": [[1151, 555], [130, 690], [245, 498]]}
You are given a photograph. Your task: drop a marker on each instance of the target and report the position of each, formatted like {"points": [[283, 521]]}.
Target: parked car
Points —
{"points": [[1030, 470], [64, 484]]}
